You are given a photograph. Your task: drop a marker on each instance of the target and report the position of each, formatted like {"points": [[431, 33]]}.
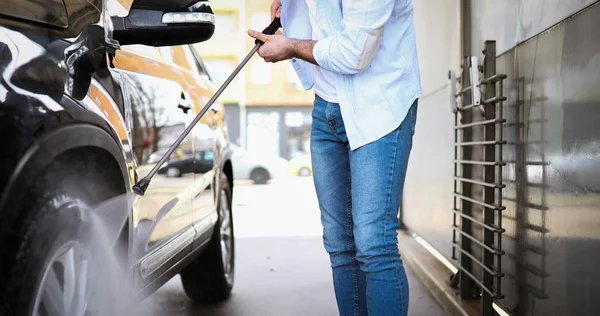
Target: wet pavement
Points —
{"points": [[281, 266]]}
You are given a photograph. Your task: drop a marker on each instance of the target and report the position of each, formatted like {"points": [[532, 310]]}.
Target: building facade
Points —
{"points": [[267, 110]]}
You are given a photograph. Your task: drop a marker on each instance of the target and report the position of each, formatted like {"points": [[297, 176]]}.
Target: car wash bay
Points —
{"points": [[281, 265]]}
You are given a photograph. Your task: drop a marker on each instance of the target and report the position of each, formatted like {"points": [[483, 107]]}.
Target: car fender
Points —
{"points": [[226, 155], [75, 129]]}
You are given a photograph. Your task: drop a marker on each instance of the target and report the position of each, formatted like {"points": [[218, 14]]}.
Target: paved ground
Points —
{"points": [[281, 266]]}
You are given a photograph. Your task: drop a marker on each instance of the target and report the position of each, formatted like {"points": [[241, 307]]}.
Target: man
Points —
{"points": [[361, 57]]}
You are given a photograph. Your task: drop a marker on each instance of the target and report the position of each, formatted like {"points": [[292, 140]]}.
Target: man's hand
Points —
{"points": [[278, 47], [275, 9]]}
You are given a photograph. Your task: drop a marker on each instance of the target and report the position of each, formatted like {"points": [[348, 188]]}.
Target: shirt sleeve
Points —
{"points": [[353, 49]]}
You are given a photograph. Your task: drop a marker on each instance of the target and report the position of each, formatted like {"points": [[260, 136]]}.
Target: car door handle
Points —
{"points": [[184, 103], [184, 108]]}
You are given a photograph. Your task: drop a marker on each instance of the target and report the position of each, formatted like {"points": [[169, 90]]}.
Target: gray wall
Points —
{"points": [[428, 189], [552, 219], [553, 207], [510, 22]]}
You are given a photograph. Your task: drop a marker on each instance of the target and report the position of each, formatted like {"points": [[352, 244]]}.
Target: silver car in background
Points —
{"points": [[258, 167]]}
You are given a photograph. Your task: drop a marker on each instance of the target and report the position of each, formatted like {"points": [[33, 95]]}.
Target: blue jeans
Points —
{"points": [[359, 195]]}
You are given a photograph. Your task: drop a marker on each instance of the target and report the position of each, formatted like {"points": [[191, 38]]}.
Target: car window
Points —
{"points": [[201, 64], [191, 61], [209, 155], [157, 119], [195, 61], [167, 54]]}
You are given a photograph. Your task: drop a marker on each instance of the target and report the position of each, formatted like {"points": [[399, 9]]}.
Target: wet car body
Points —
{"points": [[70, 92]]}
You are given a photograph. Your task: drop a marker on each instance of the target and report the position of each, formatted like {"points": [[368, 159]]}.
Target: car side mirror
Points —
{"points": [[153, 26]]}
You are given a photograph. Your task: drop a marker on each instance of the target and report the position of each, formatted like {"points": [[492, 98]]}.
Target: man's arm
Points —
{"points": [[303, 50], [353, 49], [349, 51], [278, 47]]}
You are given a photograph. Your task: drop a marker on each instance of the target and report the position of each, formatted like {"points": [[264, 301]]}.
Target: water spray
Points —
{"points": [[140, 187]]}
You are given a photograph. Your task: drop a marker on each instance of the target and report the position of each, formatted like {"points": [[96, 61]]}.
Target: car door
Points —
{"points": [[163, 232], [206, 165]]}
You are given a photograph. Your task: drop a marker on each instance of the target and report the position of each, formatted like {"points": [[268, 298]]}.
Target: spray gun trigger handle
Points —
{"points": [[270, 30]]}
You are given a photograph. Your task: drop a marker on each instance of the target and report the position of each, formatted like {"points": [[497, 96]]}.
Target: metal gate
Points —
{"points": [[478, 134]]}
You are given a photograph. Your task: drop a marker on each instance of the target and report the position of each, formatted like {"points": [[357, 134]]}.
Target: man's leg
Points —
{"points": [[331, 169], [378, 170]]}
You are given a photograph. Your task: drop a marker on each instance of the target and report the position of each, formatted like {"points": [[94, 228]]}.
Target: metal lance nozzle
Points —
{"points": [[140, 187]]}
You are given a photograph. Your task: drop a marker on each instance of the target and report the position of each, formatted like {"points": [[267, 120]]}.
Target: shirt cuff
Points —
{"points": [[321, 52]]}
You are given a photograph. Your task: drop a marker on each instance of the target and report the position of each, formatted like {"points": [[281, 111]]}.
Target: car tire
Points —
{"points": [[304, 172], [173, 172], [61, 256], [260, 176], [209, 278]]}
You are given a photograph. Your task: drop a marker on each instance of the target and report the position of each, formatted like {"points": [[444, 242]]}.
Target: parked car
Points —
{"points": [[83, 104], [301, 166], [258, 167], [199, 162]]}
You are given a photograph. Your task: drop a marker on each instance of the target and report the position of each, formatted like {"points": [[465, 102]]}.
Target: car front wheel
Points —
{"points": [[63, 265], [210, 277]]}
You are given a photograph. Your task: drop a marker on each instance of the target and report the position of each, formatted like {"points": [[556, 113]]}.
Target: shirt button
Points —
{"points": [[294, 60]]}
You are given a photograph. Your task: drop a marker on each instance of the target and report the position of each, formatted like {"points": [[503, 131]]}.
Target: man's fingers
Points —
{"points": [[258, 35], [261, 53], [275, 9]]}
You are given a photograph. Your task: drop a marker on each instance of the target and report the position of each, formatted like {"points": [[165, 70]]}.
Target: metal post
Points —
{"points": [[466, 283], [465, 25], [456, 174], [499, 175], [489, 70]]}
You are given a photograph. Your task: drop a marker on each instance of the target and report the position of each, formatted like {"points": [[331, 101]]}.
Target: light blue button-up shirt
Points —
{"points": [[370, 45]]}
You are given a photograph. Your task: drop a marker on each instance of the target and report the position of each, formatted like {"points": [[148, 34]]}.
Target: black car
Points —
{"points": [[91, 91], [199, 162]]}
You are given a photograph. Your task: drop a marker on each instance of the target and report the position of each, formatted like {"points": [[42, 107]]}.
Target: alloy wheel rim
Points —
{"points": [[260, 177], [226, 234], [65, 285]]}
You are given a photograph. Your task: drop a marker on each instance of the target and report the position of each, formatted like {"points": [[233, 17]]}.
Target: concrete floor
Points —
{"points": [[281, 266]]}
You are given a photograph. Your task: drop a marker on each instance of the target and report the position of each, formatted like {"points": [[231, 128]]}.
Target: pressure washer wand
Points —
{"points": [[140, 187]]}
